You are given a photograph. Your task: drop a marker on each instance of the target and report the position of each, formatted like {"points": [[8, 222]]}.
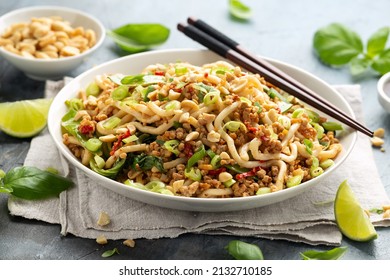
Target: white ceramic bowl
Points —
{"points": [[42, 69], [383, 88], [134, 64]]}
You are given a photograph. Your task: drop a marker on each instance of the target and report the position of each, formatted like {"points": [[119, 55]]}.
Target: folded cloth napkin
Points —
{"points": [[300, 219]]}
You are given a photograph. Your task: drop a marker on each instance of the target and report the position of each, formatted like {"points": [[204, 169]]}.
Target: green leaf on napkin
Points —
{"points": [[31, 183], [135, 38], [239, 10], [337, 45], [333, 254]]}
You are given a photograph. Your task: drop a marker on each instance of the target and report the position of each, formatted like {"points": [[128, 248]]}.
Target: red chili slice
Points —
{"points": [[216, 171], [118, 143]]}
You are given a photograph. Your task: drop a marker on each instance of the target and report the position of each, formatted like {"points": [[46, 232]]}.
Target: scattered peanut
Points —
{"points": [[380, 132], [377, 142], [47, 38], [104, 219], [129, 243], [101, 240]]}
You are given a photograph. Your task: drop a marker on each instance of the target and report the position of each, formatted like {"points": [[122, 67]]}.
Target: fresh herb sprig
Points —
{"points": [[337, 45], [31, 183], [135, 38]]}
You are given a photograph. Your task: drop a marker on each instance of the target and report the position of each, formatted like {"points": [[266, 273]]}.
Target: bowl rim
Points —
{"points": [[58, 8], [204, 201], [380, 87]]}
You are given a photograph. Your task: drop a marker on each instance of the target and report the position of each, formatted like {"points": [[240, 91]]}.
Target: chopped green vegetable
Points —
{"points": [[180, 70], [110, 253], [153, 186], [110, 173], [236, 168], [274, 93], [193, 174], [263, 190], [315, 172], [93, 144], [172, 105], [333, 254], [239, 10], [294, 181], [93, 89], [139, 37], [129, 139], [142, 80], [326, 163], [146, 162], [111, 122], [197, 156], [258, 105], [320, 130], [215, 161], [309, 145], [229, 183], [332, 126], [244, 251], [120, 92], [376, 210], [75, 104], [171, 145], [99, 161], [211, 97], [233, 126], [31, 183]]}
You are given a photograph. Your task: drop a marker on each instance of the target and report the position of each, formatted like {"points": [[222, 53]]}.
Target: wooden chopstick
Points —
{"points": [[226, 47]]}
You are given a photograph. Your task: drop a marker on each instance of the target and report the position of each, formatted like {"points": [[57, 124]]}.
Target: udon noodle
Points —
{"points": [[198, 131]]}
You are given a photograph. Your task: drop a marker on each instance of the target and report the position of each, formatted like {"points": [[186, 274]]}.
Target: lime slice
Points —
{"points": [[351, 218], [24, 118]]}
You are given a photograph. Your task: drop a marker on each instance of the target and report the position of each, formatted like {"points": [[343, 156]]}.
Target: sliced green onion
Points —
{"points": [[172, 105], [294, 181], [284, 121], [332, 126], [197, 156], [233, 126], [133, 184], [133, 80], [145, 92], [120, 93], [99, 161], [315, 172], [274, 93], [313, 116], [229, 183], [180, 70], [193, 173], [215, 161], [153, 185], [246, 100], [211, 97], [111, 122], [176, 124], [258, 105], [93, 89], [326, 163], [171, 145], [315, 162], [325, 144], [298, 113], [309, 145], [129, 139], [210, 153], [236, 168], [320, 130], [284, 106], [164, 191], [75, 103], [263, 190], [93, 144], [142, 80]]}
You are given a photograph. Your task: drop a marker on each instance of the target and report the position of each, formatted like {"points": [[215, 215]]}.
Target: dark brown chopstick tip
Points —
{"points": [[181, 26], [191, 20]]}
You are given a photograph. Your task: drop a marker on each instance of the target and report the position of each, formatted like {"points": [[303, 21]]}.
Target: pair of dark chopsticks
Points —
{"points": [[219, 43]]}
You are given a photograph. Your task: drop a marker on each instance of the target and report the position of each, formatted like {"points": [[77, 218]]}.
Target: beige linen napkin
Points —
{"points": [[299, 219]]}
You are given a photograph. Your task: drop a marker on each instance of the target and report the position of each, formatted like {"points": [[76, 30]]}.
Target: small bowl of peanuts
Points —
{"points": [[47, 42]]}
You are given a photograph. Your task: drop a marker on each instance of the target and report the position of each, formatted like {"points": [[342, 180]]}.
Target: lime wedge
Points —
{"points": [[351, 218], [24, 118]]}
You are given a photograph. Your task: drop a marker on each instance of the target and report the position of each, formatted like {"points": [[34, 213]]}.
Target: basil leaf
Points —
{"points": [[139, 37], [333, 254], [377, 42], [239, 10], [359, 65], [32, 183], [146, 162], [110, 253], [244, 251], [382, 63], [336, 44]]}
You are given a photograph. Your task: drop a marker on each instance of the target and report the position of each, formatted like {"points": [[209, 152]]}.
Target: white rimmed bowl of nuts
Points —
{"points": [[47, 42]]}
